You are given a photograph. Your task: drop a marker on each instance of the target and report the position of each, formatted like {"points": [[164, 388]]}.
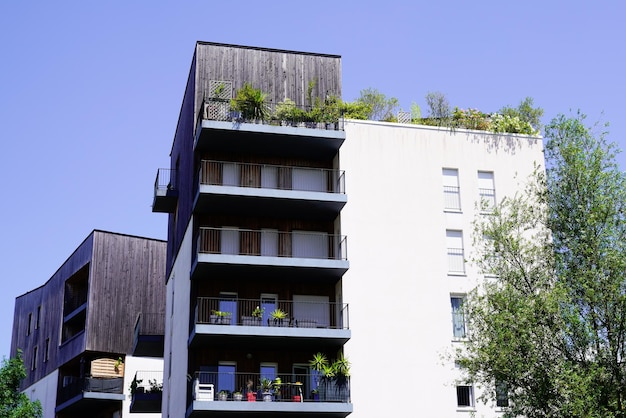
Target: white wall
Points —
{"points": [[398, 286], [45, 390], [177, 332]]}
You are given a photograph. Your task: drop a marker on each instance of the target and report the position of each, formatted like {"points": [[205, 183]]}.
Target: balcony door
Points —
{"points": [[230, 240], [228, 303], [226, 377], [268, 304]]}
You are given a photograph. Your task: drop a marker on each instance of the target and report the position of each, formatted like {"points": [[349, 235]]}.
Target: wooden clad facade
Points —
{"points": [[278, 73], [123, 276]]}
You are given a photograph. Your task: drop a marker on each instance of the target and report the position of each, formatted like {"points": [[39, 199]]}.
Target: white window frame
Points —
{"points": [[451, 190]]}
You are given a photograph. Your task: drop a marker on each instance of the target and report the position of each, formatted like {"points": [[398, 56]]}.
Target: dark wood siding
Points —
{"points": [[182, 159], [126, 279], [280, 74], [50, 298]]}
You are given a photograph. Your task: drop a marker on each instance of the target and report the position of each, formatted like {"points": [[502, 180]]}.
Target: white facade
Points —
{"points": [[401, 277]]}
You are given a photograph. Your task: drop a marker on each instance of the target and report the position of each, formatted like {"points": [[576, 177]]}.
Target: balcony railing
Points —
{"points": [[269, 387], [456, 261], [327, 117], [146, 390], [452, 197], [272, 243], [75, 385], [148, 323], [255, 312], [165, 180], [222, 173], [487, 199]]}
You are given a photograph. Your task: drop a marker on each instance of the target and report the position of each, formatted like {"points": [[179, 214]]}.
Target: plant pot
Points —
{"points": [[220, 320], [251, 397], [251, 321], [267, 397], [278, 322], [222, 396], [237, 397]]}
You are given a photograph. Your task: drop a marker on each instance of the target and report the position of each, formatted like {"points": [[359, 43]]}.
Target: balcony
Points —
{"points": [[165, 193], [274, 190], [146, 392], [149, 335], [249, 322], [220, 129], [270, 252], [456, 261], [81, 396], [230, 394]]}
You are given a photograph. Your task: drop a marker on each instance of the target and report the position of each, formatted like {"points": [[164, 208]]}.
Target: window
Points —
{"points": [[37, 318], [226, 377], [46, 353], [456, 257], [34, 364], [502, 394], [486, 191], [451, 190], [30, 319], [465, 396], [458, 317]]}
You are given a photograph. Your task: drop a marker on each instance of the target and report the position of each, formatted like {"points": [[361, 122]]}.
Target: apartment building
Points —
{"points": [[95, 329], [256, 255], [259, 217]]}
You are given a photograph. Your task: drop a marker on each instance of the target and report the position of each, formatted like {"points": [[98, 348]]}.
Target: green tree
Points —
{"points": [[439, 107], [525, 112], [382, 107], [13, 403], [551, 327]]}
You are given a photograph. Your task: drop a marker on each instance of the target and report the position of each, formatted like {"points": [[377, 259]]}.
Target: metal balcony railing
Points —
{"points": [[271, 243], [487, 199], [268, 387], [266, 176], [456, 261], [258, 312], [165, 180], [73, 385], [327, 116], [147, 381], [148, 323], [452, 197]]}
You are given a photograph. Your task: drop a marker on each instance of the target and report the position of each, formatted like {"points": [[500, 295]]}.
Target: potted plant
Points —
{"points": [[318, 363], [222, 395], [266, 389], [250, 103], [220, 317], [341, 369], [250, 393], [277, 318], [255, 317], [237, 396]]}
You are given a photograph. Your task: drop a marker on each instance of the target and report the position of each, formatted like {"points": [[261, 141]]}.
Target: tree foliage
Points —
{"points": [[551, 327], [438, 106], [523, 114], [13, 403], [382, 107]]}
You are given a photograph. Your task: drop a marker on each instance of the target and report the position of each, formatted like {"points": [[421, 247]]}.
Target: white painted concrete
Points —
{"points": [[398, 285], [45, 390]]}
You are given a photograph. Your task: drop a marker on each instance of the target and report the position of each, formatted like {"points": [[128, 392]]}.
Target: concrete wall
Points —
{"points": [[177, 331], [398, 285], [45, 390]]}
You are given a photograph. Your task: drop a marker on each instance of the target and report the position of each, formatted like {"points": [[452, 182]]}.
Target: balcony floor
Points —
{"points": [[222, 409]]}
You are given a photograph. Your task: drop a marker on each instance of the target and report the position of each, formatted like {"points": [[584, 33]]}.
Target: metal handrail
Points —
{"points": [[271, 243], [268, 176]]}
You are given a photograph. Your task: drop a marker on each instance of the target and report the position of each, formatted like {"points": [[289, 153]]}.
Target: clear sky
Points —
{"points": [[90, 92]]}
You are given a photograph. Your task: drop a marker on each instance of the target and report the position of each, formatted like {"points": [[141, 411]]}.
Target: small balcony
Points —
{"points": [[146, 391], [297, 134], [165, 192], [266, 322], [149, 335], [270, 252], [230, 394], [77, 396], [456, 261], [273, 190]]}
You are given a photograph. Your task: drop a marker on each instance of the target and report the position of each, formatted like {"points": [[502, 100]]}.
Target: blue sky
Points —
{"points": [[90, 92]]}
